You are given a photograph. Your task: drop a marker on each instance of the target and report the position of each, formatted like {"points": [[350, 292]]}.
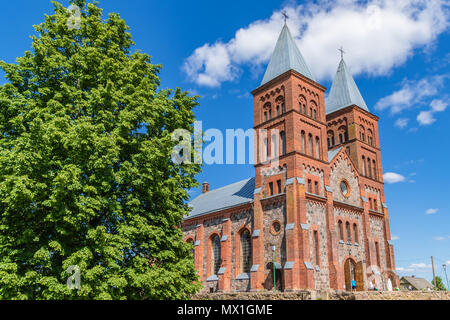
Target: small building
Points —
{"points": [[414, 283]]}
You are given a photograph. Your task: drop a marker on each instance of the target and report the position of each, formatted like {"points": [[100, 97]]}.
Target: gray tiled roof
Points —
{"points": [[285, 57], [229, 196], [344, 91]]}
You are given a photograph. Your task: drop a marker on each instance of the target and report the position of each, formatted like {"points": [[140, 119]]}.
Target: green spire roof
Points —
{"points": [[285, 57], [344, 91]]}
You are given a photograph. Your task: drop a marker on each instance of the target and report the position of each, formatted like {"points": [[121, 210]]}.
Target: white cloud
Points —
{"points": [[432, 211], [440, 238], [438, 105], [377, 36], [401, 123], [393, 238], [392, 177], [426, 117], [416, 266], [412, 94]]}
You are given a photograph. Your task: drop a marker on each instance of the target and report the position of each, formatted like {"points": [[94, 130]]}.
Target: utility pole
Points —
{"points": [[445, 271], [274, 272], [434, 275]]}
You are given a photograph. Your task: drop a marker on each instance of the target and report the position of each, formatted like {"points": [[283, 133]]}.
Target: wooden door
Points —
{"points": [[359, 276], [348, 276]]}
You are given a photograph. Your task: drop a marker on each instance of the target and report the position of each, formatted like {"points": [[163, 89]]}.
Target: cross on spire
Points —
{"points": [[342, 52], [285, 16]]}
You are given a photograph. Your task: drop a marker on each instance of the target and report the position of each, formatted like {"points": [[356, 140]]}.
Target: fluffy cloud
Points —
{"points": [[365, 30], [415, 267], [432, 211], [412, 93], [427, 117], [392, 177], [394, 238], [402, 123]]}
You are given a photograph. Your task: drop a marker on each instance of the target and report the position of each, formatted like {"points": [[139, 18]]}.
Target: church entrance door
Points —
{"points": [[349, 270], [359, 276]]}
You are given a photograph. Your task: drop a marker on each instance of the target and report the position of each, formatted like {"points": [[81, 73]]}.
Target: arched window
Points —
{"points": [[369, 169], [363, 166], [377, 250], [246, 251], [316, 247], [349, 233], [317, 148], [341, 138], [310, 141], [278, 110], [266, 147], [315, 115], [355, 233], [303, 142], [331, 139], [216, 259], [283, 142], [191, 242], [311, 112], [370, 137], [374, 170], [362, 133], [302, 104], [341, 231]]}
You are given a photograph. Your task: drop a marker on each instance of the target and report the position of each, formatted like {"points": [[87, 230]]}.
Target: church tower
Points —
{"points": [[351, 125], [290, 124]]}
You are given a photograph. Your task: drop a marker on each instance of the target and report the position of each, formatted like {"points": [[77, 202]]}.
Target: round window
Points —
{"points": [[345, 189], [276, 228]]}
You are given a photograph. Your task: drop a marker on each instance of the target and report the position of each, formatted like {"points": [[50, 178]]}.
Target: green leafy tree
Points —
{"points": [[86, 174], [439, 284]]}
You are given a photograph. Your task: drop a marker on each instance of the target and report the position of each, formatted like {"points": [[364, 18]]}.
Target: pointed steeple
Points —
{"points": [[285, 57], [344, 91]]}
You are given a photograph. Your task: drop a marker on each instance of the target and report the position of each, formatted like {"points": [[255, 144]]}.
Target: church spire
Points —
{"points": [[285, 57], [344, 91]]}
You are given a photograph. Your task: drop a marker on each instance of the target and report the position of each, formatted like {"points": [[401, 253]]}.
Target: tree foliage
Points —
{"points": [[86, 176], [439, 284]]}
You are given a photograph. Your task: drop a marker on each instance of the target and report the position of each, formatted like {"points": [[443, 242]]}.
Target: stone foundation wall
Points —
{"points": [[327, 295]]}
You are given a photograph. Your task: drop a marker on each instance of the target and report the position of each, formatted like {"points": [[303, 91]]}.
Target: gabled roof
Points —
{"points": [[226, 197], [333, 153], [418, 283], [344, 91], [285, 57]]}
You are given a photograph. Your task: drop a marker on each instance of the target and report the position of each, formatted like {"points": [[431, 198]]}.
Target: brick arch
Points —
{"points": [[209, 256], [237, 247]]}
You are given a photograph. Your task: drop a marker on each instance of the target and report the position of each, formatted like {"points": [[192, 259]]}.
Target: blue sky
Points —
{"points": [[398, 53]]}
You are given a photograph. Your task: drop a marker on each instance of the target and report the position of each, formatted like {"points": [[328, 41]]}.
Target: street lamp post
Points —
{"points": [[274, 273], [445, 271]]}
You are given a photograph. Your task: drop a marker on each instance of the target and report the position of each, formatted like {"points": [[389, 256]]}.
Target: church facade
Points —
{"points": [[318, 219]]}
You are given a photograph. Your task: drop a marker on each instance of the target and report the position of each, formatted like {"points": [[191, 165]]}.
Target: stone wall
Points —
{"points": [[316, 218], [327, 295], [342, 169]]}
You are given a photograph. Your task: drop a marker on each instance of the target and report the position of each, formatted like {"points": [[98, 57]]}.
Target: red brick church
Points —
{"points": [[319, 219]]}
